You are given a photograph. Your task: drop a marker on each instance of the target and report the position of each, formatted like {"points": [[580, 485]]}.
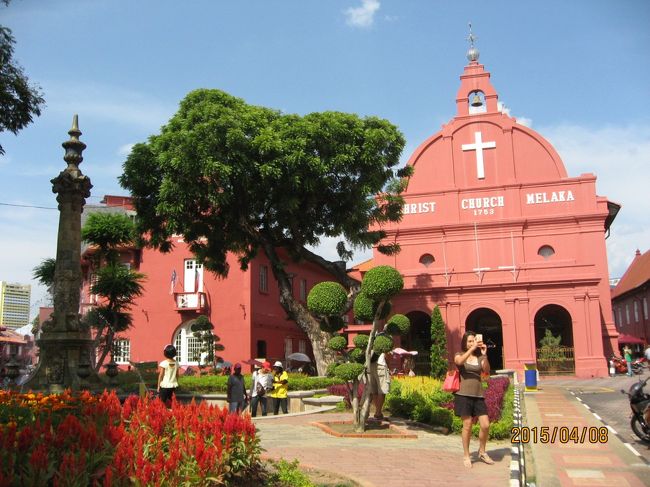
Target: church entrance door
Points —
{"points": [[488, 322]]}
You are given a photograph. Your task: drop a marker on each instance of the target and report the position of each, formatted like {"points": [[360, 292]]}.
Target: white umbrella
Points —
{"points": [[401, 351], [299, 357]]}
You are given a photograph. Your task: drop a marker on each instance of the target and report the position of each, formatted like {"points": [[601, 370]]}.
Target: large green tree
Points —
{"points": [[233, 177], [20, 100]]}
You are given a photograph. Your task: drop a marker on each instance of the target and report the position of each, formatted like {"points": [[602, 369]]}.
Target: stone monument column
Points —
{"points": [[65, 346]]}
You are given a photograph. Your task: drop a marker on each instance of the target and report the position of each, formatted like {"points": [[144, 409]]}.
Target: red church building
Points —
{"points": [[506, 243], [244, 307]]}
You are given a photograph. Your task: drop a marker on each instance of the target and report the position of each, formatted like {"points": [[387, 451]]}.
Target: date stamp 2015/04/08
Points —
{"points": [[560, 434]]}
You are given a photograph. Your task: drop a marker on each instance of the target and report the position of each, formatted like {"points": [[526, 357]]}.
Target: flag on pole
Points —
{"points": [[173, 283]]}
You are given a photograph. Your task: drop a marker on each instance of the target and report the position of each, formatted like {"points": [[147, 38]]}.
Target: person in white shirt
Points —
{"points": [[168, 374], [262, 382]]}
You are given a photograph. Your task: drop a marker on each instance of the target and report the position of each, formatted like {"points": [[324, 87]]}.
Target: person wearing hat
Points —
{"points": [[236, 393], [261, 383], [168, 374], [280, 388]]}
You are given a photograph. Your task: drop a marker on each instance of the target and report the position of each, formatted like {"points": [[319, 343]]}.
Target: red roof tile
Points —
{"points": [[637, 274]]}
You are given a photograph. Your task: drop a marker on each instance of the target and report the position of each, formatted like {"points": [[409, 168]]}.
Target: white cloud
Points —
{"points": [[124, 150], [527, 122], [620, 159], [363, 16]]}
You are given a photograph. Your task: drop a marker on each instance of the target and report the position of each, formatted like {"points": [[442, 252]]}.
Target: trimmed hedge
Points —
{"points": [[212, 384]]}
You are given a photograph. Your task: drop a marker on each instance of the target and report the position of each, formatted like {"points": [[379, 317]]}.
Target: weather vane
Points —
{"points": [[471, 38], [472, 52]]}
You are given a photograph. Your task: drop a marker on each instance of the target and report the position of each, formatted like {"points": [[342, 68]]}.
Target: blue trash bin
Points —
{"points": [[530, 376]]}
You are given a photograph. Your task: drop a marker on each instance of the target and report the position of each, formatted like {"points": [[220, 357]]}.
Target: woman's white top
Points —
{"points": [[169, 379]]}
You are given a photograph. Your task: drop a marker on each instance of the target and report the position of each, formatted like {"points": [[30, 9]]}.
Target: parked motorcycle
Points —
{"points": [[641, 363], [620, 365], [640, 405]]}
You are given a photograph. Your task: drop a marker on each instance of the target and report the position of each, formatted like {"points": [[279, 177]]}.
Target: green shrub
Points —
{"points": [[358, 355], [327, 299], [382, 282], [287, 474], [442, 417], [382, 344], [361, 341], [338, 343], [349, 371], [398, 325]]}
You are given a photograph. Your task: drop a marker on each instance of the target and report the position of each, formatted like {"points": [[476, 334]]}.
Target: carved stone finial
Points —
{"points": [[74, 147], [472, 53]]}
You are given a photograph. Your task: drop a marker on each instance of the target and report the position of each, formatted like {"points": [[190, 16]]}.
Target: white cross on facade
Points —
{"points": [[478, 146]]}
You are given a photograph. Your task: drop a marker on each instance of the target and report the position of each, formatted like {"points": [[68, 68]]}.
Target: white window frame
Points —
{"points": [[302, 346], [184, 339], [645, 308], [124, 355], [636, 311], [627, 313]]}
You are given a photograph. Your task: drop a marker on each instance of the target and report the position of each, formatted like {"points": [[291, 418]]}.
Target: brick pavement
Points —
{"points": [[576, 461], [432, 459]]}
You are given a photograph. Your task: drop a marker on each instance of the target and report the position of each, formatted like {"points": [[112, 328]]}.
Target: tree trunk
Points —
{"points": [[362, 415], [358, 424], [298, 313], [107, 349]]}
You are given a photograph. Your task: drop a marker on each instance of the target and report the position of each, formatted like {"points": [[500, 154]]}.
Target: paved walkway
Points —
{"points": [[594, 456], [432, 459], [436, 460]]}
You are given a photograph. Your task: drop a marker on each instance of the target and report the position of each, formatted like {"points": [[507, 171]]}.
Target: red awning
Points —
{"points": [[623, 338]]}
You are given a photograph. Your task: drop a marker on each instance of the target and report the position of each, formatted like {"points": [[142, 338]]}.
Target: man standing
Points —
{"points": [[236, 393], [280, 388], [261, 382], [627, 352]]}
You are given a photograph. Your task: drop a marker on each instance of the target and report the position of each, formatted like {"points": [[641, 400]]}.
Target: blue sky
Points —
{"points": [[576, 71]]}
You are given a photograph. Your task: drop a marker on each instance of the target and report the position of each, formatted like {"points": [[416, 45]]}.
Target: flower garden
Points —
{"points": [[87, 440], [422, 399]]}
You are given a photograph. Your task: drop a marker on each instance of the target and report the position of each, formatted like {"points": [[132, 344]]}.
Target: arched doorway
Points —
{"points": [[488, 322], [554, 340], [419, 338], [187, 345]]}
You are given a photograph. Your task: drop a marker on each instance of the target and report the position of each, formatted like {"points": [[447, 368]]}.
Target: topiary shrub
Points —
{"points": [[382, 282], [382, 344], [349, 371], [338, 343], [365, 308], [398, 325], [330, 369], [361, 341], [358, 355], [327, 299]]}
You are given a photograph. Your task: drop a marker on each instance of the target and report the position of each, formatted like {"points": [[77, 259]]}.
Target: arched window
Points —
{"points": [[187, 345], [426, 260], [546, 251]]}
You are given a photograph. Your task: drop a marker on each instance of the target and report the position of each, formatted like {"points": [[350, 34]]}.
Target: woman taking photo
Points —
{"points": [[469, 402]]}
